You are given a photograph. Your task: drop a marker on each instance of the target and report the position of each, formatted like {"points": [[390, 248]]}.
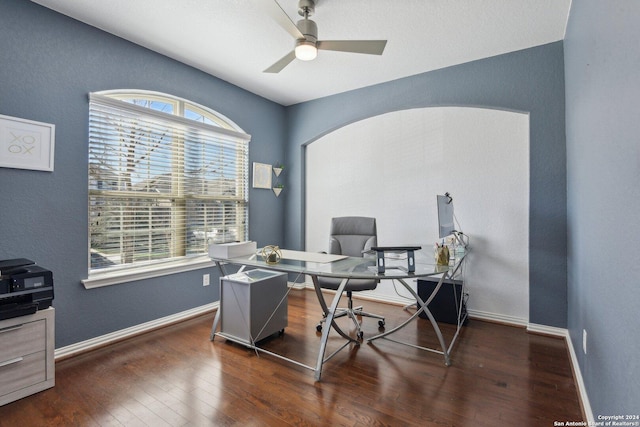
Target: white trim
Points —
{"points": [[547, 330], [575, 366], [513, 321], [140, 273], [397, 300], [93, 343], [298, 286], [577, 374], [497, 317], [103, 340]]}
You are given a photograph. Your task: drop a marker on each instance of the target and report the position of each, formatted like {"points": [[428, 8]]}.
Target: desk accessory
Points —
{"points": [[232, 250], [410, 250], [442, 255], [271, 254]]}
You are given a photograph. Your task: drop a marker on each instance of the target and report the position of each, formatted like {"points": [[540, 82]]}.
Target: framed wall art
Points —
{"points": [[25, 144], [261, 175]]}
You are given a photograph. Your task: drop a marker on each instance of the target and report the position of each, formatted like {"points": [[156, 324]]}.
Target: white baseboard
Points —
{"points": [[397, 300], [94, 343], [513, 321], [101, 341], [575, 366], [298, 285], [547, 330], [577, 374], [97, 342], [497, 317]]}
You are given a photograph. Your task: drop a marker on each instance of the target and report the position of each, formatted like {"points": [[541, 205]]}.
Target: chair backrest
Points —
{"points": [[350, 235]]}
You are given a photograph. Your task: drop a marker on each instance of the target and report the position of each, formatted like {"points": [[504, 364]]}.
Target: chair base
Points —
{"points": [[352, 313]]}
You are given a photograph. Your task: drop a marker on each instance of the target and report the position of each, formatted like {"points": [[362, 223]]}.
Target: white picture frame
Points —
{"points": [[26, 144], [261, 175]]}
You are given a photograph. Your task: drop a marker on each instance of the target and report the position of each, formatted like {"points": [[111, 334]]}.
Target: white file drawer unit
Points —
{"points": [[253, 305], [26, 355]]}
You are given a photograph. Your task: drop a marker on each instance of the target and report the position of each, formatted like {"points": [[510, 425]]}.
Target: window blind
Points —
{"points": [[161, 186]]}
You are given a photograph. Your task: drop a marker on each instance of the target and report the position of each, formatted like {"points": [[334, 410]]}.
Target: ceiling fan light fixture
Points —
{"points": [[306, 50], [305, 33]]}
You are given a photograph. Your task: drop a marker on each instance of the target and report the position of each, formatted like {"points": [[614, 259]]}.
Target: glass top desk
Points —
{"points": [[347, 268]]}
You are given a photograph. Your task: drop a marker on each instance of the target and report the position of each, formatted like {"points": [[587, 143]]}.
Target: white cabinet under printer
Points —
{"points": [[26, 355]]}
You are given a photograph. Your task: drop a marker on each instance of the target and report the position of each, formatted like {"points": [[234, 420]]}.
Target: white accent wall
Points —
{"points": [[392, 167]]}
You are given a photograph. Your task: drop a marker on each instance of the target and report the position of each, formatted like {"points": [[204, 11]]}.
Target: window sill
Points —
{"points": [[134, 274]]}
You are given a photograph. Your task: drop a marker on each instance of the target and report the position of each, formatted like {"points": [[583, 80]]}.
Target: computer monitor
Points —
{"points": [[445, 216]]}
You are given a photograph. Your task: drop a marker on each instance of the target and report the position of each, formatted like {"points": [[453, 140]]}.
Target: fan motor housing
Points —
{"points": [[309, 29]]}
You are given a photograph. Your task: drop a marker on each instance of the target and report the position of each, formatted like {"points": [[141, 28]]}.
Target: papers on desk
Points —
{"points": [[311, 256]]}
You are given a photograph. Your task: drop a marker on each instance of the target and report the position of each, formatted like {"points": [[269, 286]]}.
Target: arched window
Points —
{"points": [[166, 178]]}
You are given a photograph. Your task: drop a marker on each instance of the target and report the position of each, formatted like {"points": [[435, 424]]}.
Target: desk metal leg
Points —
{"points": [[214, 327], [434, 324], [329, 321], [325, 335], [325, 309], [216, 318]]}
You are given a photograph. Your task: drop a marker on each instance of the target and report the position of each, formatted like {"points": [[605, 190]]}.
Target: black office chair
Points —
{"points": [[351, 236]]}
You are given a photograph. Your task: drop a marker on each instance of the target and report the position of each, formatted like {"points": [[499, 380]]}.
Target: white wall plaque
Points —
{"points": [[261, 175], [25, 144]]}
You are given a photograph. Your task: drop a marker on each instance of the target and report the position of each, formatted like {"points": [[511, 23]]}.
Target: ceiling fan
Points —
{"points": [[306, 34]]}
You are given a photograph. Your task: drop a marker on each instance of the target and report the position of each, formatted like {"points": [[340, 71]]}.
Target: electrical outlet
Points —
{"points": [[584, 341], [205, 280]]}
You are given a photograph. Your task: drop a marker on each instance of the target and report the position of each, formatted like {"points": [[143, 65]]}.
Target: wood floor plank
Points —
{"points": [[175, 376]]}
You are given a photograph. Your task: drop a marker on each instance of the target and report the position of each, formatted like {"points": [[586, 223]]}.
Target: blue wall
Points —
{"points": [[602, 59], [530, 80], [48, 65]]}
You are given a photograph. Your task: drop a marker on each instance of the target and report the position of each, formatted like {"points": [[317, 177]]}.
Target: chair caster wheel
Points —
{"points": [[360, 335], [281, 332], [319, 327], [381, 323]]}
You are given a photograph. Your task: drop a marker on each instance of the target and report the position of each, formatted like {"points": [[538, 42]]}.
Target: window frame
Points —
{"points": [[184, 262]]}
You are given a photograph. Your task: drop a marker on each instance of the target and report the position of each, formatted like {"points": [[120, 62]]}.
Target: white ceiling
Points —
{"points": [[235, 40]]}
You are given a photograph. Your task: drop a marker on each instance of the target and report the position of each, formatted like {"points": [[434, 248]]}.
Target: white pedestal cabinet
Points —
{"points": [[27, 355]]}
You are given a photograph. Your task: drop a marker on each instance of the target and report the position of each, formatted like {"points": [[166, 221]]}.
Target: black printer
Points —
{"points": [[24, 288]]}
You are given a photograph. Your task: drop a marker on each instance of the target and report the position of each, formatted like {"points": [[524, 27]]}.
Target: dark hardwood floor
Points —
{"points": [[175, 376]]}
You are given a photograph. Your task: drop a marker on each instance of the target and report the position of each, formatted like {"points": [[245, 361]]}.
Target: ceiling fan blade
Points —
{"points": [[371, 47], [281, 63], [273, 9]]}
